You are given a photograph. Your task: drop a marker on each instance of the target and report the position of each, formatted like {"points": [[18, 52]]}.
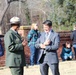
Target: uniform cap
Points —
{"points": [[15, 20]]}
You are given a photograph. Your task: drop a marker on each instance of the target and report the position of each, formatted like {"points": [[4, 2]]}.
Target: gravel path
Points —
{"points": [[66, 68]]}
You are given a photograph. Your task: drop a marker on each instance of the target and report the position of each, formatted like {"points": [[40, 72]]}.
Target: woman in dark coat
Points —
{"points": [[32, 38]]}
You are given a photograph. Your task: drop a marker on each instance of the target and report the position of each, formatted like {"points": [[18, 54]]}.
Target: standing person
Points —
{"points": [[1, 48], [67, 53], [14, 46], [32, 38], [73, 38], [48, 43]]}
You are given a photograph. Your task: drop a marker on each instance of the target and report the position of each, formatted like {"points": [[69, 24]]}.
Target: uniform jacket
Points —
{"points": [[14, 49], [51, 49]]}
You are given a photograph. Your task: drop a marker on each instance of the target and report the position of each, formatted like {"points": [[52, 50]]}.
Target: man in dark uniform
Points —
{"points": [[14, 46]]}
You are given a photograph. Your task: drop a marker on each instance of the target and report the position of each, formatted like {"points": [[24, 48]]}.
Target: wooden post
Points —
{"points": [[23, 31]]}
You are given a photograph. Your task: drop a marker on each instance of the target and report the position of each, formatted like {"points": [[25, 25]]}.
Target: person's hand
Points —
{"points": [[42, 46], [24, 43], [70, 57], [47, 42]]}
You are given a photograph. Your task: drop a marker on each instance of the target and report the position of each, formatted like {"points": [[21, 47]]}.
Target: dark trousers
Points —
{"points": [[45, 66], [37, 56], [75, 52], [16, 70]]}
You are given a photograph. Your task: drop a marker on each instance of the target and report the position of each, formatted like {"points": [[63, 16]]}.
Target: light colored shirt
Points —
{"points": [[13, 30], [47, 36]]}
